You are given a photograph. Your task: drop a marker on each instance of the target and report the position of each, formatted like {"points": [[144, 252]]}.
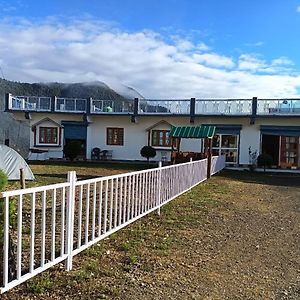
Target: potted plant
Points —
{"points": [[148, 152]]}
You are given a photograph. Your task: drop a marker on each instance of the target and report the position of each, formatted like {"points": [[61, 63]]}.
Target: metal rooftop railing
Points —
{"points": [[188, 107]]}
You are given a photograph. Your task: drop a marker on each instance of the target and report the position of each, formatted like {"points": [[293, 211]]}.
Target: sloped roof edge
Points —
{"points": [[46, 120], [158, 123]]}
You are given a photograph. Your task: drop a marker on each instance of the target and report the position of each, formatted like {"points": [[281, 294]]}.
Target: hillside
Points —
{"points": [[18, 132]]}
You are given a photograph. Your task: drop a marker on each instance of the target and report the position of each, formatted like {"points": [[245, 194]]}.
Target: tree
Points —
{"points": [[72, 149], [148, 152]]}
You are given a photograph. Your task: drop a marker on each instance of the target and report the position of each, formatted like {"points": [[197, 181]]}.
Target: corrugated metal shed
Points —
{"points": [[193, 132]]}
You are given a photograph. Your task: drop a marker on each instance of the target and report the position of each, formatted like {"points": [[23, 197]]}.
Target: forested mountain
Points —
{"points": [[18, 132]]}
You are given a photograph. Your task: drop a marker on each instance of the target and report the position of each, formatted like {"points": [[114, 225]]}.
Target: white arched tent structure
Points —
{"points": [[11, 162]]}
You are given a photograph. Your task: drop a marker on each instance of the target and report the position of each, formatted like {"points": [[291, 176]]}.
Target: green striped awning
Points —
{"points": [[193, 132]]}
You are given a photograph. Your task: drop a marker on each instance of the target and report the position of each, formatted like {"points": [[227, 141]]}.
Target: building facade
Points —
{"points": [[244, 127]]}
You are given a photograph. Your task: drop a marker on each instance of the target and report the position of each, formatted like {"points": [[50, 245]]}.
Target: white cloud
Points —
{"points": [[89, 50], [255, 64], [282, 61], [202, 47], [214, 60], [256, 44], [250, 62], [298, 9]]}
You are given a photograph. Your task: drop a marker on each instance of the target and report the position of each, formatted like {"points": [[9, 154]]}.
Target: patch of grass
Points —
{"points": [[40, 284], [95, 251], [82, 274], [131, 261], [127, 245], [162, 243], [92, 267], [56, 172]]}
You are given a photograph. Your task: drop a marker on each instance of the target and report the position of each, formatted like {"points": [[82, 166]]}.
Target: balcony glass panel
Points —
{"points": [[224, 106], [111, 106], [164, 106], [277, 107], [80, 105], [30, 103], [45, 103], [70, 105]]}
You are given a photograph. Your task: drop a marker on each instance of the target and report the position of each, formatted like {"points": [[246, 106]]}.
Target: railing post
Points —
{"points": [[135, 110], [192, 110], [53, 103], [159, 187], [88, 105], [70, 219], [254, 110], [8, 102]]}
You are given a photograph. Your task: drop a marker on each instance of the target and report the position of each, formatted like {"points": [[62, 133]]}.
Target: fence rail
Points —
{"points": [[58, 221]]}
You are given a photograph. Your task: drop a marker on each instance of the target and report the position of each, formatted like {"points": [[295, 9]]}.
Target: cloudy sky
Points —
{"points": [[163, 49]]}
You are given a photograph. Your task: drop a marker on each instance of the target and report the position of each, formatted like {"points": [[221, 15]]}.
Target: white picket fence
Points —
{"points": [[217, 164], [58, 221]]}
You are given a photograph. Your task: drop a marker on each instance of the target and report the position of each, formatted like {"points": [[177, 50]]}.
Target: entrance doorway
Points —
{"points": [[284, 150], [76, 131], [270, 146]]}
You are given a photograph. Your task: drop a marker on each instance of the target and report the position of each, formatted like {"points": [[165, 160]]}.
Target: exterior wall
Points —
{"points": [[136, 134], [53, 151], [250, 134]]}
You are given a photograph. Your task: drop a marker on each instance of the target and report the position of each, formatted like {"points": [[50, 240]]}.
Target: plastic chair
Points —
{"points": [[96, 153]]}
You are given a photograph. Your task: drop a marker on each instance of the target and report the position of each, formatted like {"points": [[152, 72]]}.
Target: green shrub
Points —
{"points": [[148, 152], [72, 149], [264, 160], [3, 180]]}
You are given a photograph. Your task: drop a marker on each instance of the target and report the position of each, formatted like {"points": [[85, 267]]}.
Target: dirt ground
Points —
{"points": [[236, 236]]}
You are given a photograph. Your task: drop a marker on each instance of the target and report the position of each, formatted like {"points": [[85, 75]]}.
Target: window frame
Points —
{"points": [[54, 135], [220, 148], [164, 138], [110, 141]]}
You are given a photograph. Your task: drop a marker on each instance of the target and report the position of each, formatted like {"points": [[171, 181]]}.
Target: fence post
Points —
{"points": [[5, 249], [159, 187], [22, 179], [209, 156], [191, 177], [70, 219]]}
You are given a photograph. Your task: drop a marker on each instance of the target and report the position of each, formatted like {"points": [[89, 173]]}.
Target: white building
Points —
{"points": [[124, 127]]}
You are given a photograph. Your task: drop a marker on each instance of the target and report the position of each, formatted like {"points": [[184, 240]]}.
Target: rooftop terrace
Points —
{"points": [[185, 107]]}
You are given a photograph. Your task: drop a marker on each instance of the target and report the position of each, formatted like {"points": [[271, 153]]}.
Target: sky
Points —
{"points": [[162, 48]]}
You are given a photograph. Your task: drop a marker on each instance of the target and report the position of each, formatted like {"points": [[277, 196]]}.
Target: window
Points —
{"points": [[48, 135], [161, 138], [226, 144], [115, 136]]}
